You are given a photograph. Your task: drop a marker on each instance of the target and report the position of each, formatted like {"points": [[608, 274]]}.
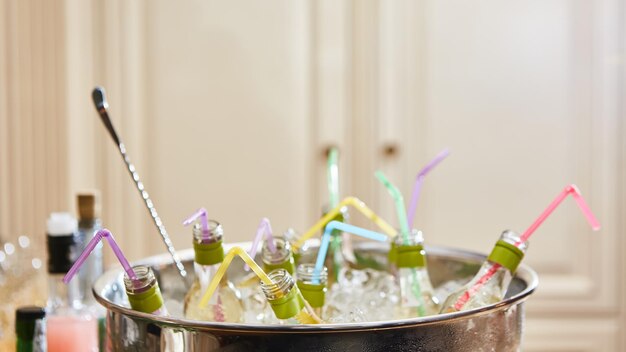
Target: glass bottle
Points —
{"points": [[281, 259], [286, 300], [30, 329], [501, 264], [313, 292], [70, 326], [144, 295], [256, 308], [88, 224], [417, 296], [226, 304]]}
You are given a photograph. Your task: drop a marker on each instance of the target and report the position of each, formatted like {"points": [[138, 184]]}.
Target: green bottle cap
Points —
{"points": [[507, 255], [315, 294], [289, 305], [147, 301], [412, 256], [289, 265], [208, 253]]}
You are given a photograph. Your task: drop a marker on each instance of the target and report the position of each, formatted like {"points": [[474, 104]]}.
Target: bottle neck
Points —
{"points": [[207, 244], [93, 268], [306, 274], [89, 224], [500, 276], [281, 255], [409, 252], [143, 293], [62, 297], [283, 294], [282, 258], [313, 287], [508, 251], [282, 284], [213, 233]]}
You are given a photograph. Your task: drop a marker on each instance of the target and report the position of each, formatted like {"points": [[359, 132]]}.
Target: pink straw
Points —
{"points": [[264, 228], [570, 189], [204, 221], [419, 180], [573, 190], [104, 233]]}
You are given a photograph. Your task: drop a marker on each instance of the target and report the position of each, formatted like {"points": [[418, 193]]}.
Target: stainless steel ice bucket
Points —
{"points": [[497, 327]]}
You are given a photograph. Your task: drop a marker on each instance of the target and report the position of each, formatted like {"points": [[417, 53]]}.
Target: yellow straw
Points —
{"points": [[307, 316], [224, 266], [358, 205]]}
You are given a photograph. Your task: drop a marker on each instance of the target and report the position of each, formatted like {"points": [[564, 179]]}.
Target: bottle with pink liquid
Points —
{"points": [[70, 327]]}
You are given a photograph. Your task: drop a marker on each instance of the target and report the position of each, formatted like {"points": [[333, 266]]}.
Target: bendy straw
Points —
{"points": [[224, 266], [104, 233], [404, 229], [336, 225], [204, 221], [265, 228], [419, 181], [570, 189], [343, 244], [99, 100], [355, 203], [399, 202]]}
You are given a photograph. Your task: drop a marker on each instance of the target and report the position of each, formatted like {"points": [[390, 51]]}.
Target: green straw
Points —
{"points": [[333, 177], [332, 174], [404, 229], [399, 201]]}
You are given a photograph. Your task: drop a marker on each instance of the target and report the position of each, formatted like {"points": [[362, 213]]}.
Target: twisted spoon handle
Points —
{"points": [[102, 105]]}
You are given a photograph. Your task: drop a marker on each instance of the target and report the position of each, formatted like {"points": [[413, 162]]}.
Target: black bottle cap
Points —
{"points": [[25, 319], [29, 313]]}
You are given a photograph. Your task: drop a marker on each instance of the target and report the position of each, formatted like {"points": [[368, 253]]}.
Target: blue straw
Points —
{"points": [[336, 225]]}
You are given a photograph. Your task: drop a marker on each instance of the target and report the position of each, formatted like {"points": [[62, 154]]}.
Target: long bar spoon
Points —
{"points": [[99, 99]]}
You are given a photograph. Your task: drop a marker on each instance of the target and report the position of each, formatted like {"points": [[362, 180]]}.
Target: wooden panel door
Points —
{"points": [[527, 96], [214, 101]]}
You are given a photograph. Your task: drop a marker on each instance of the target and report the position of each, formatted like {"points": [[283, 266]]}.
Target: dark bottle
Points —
{"points": [[30, 328]]}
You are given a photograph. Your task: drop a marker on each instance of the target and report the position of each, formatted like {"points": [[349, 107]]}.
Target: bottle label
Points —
{"points": [[148, 301], [289, 265], [208, 253], [288, 306], [315, 294], [410, 256]]}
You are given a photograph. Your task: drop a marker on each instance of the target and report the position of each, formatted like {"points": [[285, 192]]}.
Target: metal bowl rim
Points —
{"points": [[524, 272]]}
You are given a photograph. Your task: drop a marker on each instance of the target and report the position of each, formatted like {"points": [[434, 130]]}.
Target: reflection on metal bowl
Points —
{"points": [[496, 327]]}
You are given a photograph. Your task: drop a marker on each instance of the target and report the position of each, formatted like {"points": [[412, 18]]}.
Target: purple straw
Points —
{"points": [[264, 228], [420, 179], [104, 233], [204, 221]]}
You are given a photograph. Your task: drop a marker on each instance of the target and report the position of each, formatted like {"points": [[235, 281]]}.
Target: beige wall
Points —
{"points": [[230, 105]]}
